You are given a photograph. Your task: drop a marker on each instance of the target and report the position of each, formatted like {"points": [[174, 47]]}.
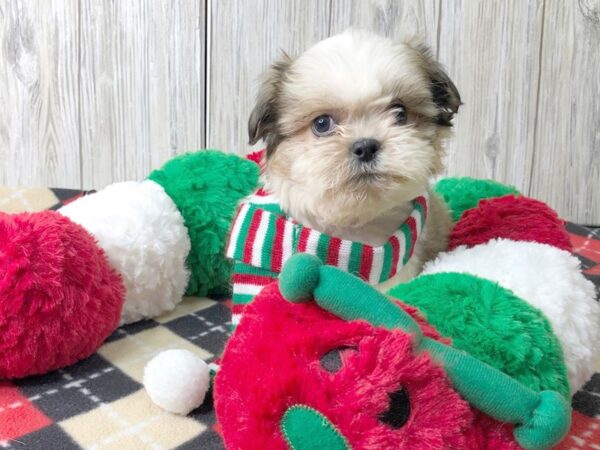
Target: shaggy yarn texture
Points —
{"points": [[206, 186], [142, 232], [548, 279], [282, 348], [510, 217], [492, 324], [59, 296], [461, 194]]}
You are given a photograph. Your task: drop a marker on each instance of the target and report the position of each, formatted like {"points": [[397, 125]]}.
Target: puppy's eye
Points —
{"points": [[323, 125], [399, 111]]}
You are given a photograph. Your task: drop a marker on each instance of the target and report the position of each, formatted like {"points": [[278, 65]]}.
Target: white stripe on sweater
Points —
{"points": [[344, 255], [263, 200], [418, 218], [246, 289], [312, 242], [235, 231], [288, 241], [377, 266], [259, 239], [418, 215]]}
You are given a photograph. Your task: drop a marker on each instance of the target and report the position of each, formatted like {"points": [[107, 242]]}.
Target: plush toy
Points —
{"points": [[325, 359], [172, 392], [508, 295], [351, 370], [59, 296], [520, 244], [128, 252]]}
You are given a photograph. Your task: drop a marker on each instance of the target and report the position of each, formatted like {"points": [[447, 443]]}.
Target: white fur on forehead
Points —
{"points": [[357, 67]]}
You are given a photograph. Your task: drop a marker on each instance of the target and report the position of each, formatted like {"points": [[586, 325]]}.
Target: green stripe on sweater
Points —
{"points": [[354, 262], [387, 263]]}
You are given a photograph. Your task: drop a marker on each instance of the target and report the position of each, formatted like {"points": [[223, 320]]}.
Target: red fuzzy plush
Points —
{"points": [[59, 297], [256, 156], [517, 218], [273, 361]]}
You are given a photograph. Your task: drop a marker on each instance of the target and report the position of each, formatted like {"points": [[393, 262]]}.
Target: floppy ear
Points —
{"points": [[443, 91], [263, 117]]}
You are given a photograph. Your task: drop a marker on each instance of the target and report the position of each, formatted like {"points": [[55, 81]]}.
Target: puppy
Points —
{"points": [[354, 130]]}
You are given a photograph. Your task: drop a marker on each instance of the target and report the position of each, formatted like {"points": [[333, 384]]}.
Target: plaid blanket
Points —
{"points": [[100, 403]]}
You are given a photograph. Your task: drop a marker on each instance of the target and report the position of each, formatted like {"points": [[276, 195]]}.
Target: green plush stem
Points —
{"points": [[542, 418], [311, 279], [504, 398], [480, 385], [304, 428]]}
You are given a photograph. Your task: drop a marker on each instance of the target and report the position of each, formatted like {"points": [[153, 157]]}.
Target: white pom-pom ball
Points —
{"points": [[177, 380], [144, 236], [547, 278]]}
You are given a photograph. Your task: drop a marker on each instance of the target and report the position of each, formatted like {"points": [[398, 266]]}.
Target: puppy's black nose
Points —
{"points": [[364, 149]]}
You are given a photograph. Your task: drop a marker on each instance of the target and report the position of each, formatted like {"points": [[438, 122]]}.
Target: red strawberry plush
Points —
{"points": [[323, 360]]}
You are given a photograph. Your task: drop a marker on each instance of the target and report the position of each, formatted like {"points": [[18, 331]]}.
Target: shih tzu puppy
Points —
{"points": [[354, 130]]}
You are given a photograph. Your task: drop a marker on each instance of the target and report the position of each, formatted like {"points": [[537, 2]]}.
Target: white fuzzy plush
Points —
{"points": [[177, 380], [144, 236], [547, 278]]}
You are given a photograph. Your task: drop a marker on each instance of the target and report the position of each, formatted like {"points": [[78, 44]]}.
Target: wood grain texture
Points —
{"points": [[97, 91], [142, 86], [391, 18], [246, 36], [491, 50], [566, 164], [39, 117]]}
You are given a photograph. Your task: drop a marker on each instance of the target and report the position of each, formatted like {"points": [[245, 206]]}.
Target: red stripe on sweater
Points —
{"points": [[333, 251], [235, 219], [237, 308], [395, 255], [366, 262], [258, 280], [412, 226], [277, 255], [421, 201], [261, 193], [247, 258], [257, 156], [303, 240]]}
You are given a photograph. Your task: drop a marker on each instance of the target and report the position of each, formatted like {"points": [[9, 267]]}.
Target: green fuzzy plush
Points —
{"points": [[465, 193], [492, 324], [206, 186]]}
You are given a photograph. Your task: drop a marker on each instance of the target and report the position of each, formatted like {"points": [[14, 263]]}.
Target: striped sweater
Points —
{"points": [[262, 238]]}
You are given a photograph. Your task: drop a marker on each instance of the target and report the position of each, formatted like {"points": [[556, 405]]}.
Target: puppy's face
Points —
{"points": [[353, 127]]}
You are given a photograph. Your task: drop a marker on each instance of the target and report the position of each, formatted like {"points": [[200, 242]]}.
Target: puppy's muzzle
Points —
{"points": [[364, 150]]}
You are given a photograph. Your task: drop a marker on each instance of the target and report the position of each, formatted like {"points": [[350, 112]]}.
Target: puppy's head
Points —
{"points": [[353, 127]]}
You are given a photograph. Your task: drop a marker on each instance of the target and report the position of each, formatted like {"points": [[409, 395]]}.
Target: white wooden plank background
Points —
{"points": [[39, 112], [142, 86], [491, 49], [101, 91], [566, 163], [390, 18]]}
